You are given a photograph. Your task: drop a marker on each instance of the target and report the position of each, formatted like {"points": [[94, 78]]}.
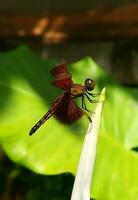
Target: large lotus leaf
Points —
{"points": [[26, 94]]}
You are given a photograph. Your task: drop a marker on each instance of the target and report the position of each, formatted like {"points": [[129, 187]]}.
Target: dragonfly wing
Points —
{"points": [[62, 77], [68, 112]]}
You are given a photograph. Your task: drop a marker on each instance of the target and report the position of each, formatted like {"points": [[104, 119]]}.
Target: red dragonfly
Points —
{"points": [[64, 107]]}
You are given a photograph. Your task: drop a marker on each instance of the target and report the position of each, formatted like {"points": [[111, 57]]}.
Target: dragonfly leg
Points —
{"points": [[86, 110], [90, 100]]}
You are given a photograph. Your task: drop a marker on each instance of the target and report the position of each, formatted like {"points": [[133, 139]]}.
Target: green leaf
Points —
{"points": [[26, 94]]}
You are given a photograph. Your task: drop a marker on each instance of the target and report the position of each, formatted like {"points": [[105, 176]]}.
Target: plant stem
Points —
{"points": [[82, 184]]}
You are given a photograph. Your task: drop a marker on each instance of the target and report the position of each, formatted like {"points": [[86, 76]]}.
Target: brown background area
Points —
{"points": [[106, 31]]}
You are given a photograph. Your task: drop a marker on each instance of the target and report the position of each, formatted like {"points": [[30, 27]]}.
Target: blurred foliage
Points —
{"points": [[26, 94], [18, 183]]}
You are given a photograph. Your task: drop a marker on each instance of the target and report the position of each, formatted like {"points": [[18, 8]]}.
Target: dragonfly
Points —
{"points": [[64, 107]]}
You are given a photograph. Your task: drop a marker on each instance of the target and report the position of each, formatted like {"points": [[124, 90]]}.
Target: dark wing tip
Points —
{"points": [[58, 69], [62, 77]]}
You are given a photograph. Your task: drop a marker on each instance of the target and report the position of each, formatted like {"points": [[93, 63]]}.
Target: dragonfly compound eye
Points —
{"points": [[89, 84]]}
